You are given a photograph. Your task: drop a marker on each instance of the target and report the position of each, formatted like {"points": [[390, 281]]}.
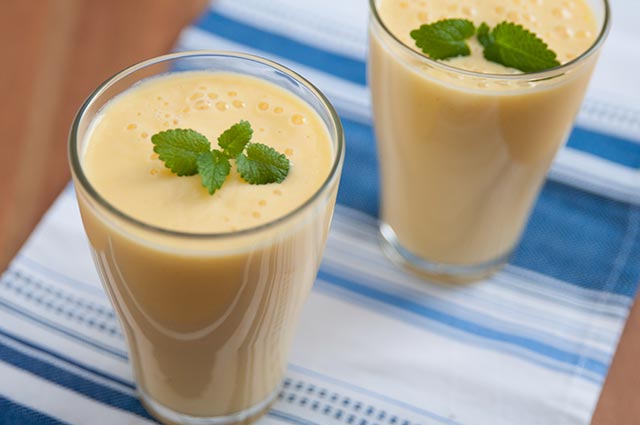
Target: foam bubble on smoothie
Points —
{"points": [[298, 119]]}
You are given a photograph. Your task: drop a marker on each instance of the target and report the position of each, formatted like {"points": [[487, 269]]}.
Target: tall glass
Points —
{"points": [[208, 318], [463, 154]]}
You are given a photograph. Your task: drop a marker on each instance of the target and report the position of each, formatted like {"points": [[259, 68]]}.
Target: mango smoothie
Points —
{"points": [[207, 288], [465, 143]]}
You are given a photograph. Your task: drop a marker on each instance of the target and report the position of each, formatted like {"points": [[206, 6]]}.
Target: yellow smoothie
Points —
{"points": [[209, 318], [208, 104], [463, 154]]}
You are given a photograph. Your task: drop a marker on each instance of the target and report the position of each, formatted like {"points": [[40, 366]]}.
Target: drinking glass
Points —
{"points": [[208, 318], [463, 154]]}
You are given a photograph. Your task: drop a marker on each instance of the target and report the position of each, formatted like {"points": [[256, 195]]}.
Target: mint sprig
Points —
{"points": [[516, 47], [445, 39], [186, 153], [508, 44]]}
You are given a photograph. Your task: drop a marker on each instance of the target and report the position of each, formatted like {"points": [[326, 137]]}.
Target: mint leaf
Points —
{"points": [[213, 168], [262, 165], [483, 35], [179, 149], [513, 46], [235, 138], [445, 39]]}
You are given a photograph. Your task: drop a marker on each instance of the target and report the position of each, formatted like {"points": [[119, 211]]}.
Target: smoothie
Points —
{"points": [[208, 288], [465, 143]]}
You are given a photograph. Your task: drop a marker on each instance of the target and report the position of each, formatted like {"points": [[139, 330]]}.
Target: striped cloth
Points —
{"points": [[375, 346]]}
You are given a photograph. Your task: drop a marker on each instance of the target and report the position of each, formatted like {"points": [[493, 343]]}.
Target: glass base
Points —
{"points": [[171, 417], [447, 273]]}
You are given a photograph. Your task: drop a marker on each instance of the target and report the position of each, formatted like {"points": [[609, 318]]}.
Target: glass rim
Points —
{"points": [[78, 172], [538, 75]]}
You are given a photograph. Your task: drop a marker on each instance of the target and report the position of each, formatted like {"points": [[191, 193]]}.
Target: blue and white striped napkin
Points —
{"points": [[375, 346]]}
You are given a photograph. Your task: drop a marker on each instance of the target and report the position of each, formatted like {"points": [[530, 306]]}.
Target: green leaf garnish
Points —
{"points": [[508, 44], [262, 164], [483, 35], [235, 138], [445, 39], [179, 149], [213, 167], [186, 153], [514, 46]]}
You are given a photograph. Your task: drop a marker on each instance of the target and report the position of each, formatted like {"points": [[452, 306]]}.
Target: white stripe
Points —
{"points": [[57, 286], [71, 368], [77, 324], [616, 305], [343, 390], [69, 347], [474, 385], [596, 175], [63, 404], [607, 117], [310, 22]]}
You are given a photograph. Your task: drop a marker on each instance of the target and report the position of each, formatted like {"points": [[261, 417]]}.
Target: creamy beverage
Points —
{"points": [[120, 163], [207, 288], [465, 143]]}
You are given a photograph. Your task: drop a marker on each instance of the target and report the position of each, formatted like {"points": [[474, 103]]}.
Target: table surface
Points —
{"points": [[95, 39]]}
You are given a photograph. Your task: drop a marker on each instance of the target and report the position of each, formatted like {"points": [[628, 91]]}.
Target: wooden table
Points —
{"points": [[56, 51]]}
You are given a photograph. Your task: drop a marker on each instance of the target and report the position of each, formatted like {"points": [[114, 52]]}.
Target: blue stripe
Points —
{"points": [[359, 185], [68, 360], [289, 418], [62, 330], [469, 327], [12, 413], [578, 237], [332, 63], [79, 384], [613, 148]]}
